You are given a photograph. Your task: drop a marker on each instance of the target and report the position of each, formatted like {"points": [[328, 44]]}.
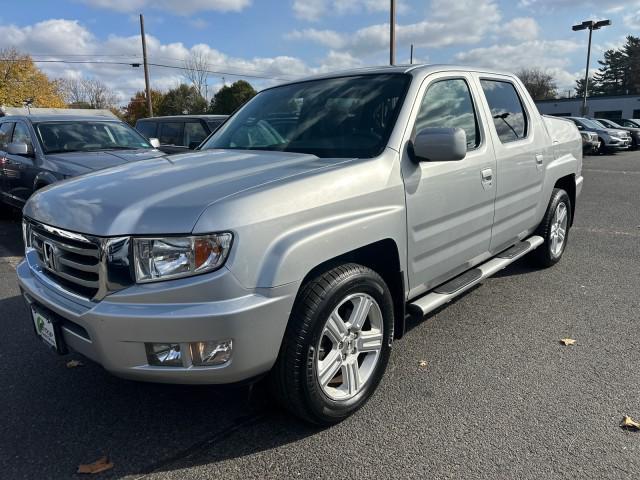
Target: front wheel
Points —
{"points": [[554, 229], [336, 346]]}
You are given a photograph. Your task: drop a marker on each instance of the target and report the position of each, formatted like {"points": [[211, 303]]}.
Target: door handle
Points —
{"points": [[487, 178], [539, 159]]}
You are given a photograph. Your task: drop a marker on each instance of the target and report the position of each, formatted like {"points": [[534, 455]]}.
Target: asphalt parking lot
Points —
{"points": [[499, 396]]}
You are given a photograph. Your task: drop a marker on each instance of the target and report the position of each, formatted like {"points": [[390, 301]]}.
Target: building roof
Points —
{"points": [[596, 97]]}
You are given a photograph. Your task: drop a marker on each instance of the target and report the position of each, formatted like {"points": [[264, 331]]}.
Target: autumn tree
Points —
{"points": [[182, 100], [540, 85], [21, 80], [137, 106], [229, 98]]}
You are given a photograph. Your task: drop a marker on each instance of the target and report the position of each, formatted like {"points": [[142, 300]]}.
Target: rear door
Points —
{"points": [[449, 204], [522, 149]]}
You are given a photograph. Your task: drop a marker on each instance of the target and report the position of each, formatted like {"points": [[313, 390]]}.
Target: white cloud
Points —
{"points": [[70, 41], [553, 56], [522, 28], [179, 7], [313, 10], [632, 20], [451, 24]]}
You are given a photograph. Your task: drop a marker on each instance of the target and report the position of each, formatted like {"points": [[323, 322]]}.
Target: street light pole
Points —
{"points": [[392, 33], [591, 25]]}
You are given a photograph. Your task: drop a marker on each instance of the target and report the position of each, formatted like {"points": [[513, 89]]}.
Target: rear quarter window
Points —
{"points": [[507, 111]]}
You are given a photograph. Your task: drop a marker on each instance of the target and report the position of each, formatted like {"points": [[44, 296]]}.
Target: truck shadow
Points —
{"points": [[63, 417]]}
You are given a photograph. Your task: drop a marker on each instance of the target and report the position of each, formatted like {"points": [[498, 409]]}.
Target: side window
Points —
{"points": [[171, 133], [194, 132], [448, 103], [21, 134], [148, 129], [5, 134], [507, 111]]}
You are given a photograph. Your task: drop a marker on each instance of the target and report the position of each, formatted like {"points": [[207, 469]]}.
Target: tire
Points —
{"points": [[302, 379], [603, 148], [550, 253]]}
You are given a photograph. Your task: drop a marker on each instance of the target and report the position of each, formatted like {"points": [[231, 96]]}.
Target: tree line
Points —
{"points": [[619, 72], [22, 81]]}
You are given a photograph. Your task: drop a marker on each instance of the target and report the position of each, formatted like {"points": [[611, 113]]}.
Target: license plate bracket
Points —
{"points": [[47, 329]]}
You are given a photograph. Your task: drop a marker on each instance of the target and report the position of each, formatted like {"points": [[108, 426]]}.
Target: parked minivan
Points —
{"points": [[180, 133]]}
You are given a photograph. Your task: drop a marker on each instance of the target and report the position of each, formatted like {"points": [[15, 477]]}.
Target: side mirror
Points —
{"points": [[440, 144], [580, 127], [20, 149], [155, 143]]}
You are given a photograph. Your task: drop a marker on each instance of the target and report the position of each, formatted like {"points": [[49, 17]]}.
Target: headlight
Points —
{"points": [[176, 257]]}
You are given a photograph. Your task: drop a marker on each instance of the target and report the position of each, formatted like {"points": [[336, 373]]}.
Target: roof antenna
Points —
{"points": [[27, 103]]}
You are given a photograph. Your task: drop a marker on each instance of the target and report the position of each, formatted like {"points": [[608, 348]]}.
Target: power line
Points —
{"points": [[160, 65]]}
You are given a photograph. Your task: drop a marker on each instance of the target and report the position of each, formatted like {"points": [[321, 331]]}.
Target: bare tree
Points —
{"points": [[196, 66], [88, 92], [541, 85]]}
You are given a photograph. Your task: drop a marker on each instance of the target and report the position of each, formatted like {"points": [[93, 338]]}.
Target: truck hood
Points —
{"points": [[77, 163], [164, 195]]}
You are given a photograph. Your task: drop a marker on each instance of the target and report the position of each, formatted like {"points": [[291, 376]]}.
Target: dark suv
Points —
{"points": [[37, 150], [180, 133]]}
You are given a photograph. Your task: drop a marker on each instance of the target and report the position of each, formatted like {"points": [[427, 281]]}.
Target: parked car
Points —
{"points": [[179, 134], [590, 142], [634, 132], [630, 122], [297, 253], [610, 139], [38, 150]]}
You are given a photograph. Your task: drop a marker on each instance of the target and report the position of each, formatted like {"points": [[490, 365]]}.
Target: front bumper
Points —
{"points": [[213, 306], [622, 144]]}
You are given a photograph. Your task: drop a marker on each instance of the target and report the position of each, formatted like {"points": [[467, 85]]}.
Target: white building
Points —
{"points": [[612, 107]]}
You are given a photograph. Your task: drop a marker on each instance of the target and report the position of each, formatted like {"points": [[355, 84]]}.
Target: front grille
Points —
{"points": [[71, 260]]}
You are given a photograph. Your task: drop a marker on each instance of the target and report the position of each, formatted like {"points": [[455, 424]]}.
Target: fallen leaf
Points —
{"points": [[100, 465], [423, 363], [567, 341], [74, 364], [629, 423]]}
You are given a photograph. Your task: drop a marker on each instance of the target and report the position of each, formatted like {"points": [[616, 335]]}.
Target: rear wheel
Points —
{"points": [[336, 346], [554, 229]]}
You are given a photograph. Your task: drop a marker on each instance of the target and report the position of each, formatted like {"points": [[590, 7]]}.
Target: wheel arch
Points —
{"points": [[383, 257], [568, 184]]}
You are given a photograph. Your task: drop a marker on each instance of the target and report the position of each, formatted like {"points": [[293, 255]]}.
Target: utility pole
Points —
{"points": [[146, 67], [392, 33], [591, 25], [411, 55]]}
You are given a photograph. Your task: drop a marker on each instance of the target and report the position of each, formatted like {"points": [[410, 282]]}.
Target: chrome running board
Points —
{"points": [[460, 284]]}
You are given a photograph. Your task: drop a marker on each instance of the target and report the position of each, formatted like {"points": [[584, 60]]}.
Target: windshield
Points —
{"points": [[609, 123], [337, 117], [585, 122], [82, 136]]}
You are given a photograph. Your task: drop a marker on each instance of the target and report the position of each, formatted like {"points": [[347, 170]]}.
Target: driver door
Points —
{"points": [[450, 205], [20, 170]]}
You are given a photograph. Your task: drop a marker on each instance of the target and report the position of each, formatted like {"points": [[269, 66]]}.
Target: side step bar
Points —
{"points": [[448, 291]]}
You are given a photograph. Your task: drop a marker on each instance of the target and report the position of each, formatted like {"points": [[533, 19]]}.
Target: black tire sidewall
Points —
{"points": [[543, 253], [324, 408]]}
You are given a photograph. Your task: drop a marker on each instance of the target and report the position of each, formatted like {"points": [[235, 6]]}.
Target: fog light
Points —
{"points": [[164, 354], [211, 353]]}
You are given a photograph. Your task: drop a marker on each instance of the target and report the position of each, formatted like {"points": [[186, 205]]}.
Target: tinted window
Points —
{"points": [[609, 114], [171, 133], [194, 132], [214, 124], [636, 114], [506, 109], [448, 103], [334, 117], [148, 129], [5, 134], [631, 124], [21, 134]]}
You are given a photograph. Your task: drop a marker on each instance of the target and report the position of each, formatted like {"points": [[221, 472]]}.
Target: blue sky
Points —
{"points": [[292, 38]]}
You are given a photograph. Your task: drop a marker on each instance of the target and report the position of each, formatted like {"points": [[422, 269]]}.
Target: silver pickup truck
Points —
{"points": [[297, 241]]}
